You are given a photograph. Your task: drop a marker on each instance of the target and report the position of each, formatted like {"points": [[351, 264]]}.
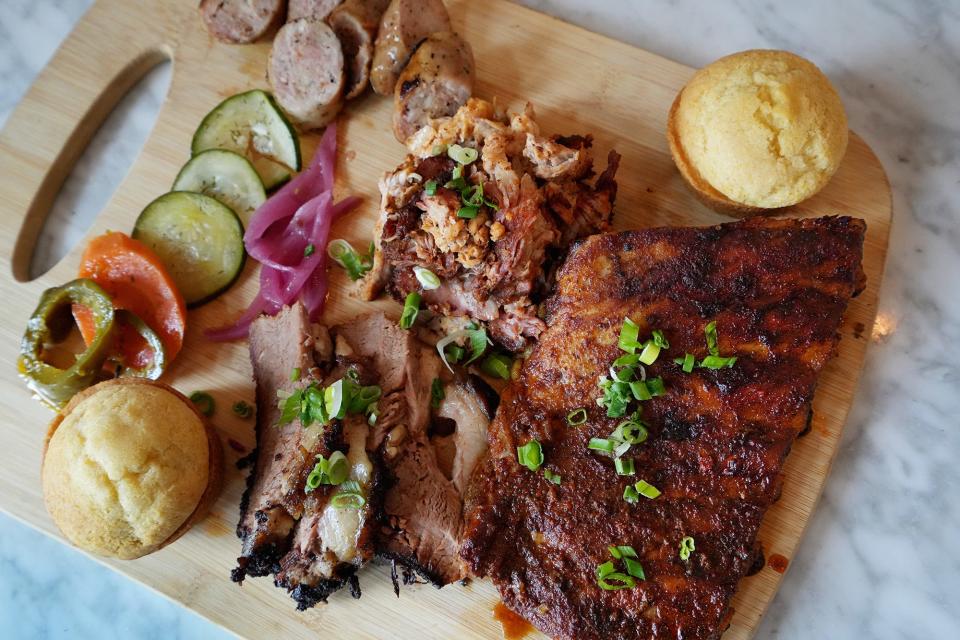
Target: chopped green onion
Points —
{"points": [[640, 390], [436, 393], [455, 353], [530, 455], [411, 307], [430, 187], [614, 552], [616, 397], [457, 181], [718, 362], [626, 552], [607, 567], [427, 279], [476, 336], [626, 374], [630, 494], [634, 568], [610, 580], [629, 333], [438, 149], [497, 365], [343, 253], [468, 212], [686, 362], [659, 339], [626, 359], [711, 332], [204, 402], [473, 196], [621, 449], [333, 400], [646, 489], [349, 496], [333, 471], [602, 444], [478, 339], [308, 250], [656, 387], [463, 155], [687, 545], [294, 374], [625, 466], [631, 431], [242, 409], [551, 476], [577, 417], [650, 353]]}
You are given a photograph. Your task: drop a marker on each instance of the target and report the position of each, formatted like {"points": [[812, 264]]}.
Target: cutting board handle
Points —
{"points": [[100, 61]]}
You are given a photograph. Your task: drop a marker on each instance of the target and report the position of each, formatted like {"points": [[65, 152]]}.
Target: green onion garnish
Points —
{"points": [[629, 333], [308, 250], [630, 494], [711, 332], [626, 359], [551, 476], [646, 489], [530, 455], [438, 149], [497, 365], [334, 401], [430, 187], [436, 393], [631, 431], [640, 390], [602, 444], [656, 387], [349, 496], [343, 253], [659, 339], [313, 404], [242, 409], [427, 279], [468, 212], [333, 470], [686, 362], [625, 466], [577, 417], [686, 546], [718, 362], [650, 353], [610, 580], [463, 155], [294, 374], [450, 352], [455, 353], [204, 402], [411, 307], [634, 568]]}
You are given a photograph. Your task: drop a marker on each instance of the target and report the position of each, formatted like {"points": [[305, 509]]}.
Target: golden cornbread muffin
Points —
{"points": [[757, 130], [128, 467]]}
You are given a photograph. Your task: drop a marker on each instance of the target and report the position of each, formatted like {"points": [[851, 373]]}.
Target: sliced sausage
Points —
{"points": [[305, 71], [315, 9], [240, 21], [405, 24], [436, 82], [355, 22]]}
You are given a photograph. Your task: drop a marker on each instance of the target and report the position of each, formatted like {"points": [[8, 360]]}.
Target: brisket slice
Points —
{"points": [[422, 510], [312, 548], [717, 442]]}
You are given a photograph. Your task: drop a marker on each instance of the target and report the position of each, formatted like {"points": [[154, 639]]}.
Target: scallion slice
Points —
{"points": [[476, 336], [602, 444], [610, 580], [629, 334], [294, 374], [468, 212], [659, 339], [646, 489], [687, 545], [411, 307], [343, 253], [349, 496], [463, 155], [530, 455], [711, 332], [577, 417], [334, 400], [656, 387], [686, 362], [204, 402], [626, 359], [625, 466], [650, 353], [634, 568], [630, 494], [427, 279], [497, 365], [308, 250], [621, 449], [631, 431], [436, 393], [430, 187], [718, 362], [640, 390], [551, 476]]}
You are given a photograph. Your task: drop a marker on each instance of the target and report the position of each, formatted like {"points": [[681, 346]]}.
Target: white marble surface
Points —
{"points": [[882, 555]]}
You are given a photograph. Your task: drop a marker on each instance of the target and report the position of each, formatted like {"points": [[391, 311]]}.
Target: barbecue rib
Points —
{"points": [[777, 290]]}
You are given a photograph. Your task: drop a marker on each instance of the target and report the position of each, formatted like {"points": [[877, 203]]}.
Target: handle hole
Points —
{"points": [[85, 185]]}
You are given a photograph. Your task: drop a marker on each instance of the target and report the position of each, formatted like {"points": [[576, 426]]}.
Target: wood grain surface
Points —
{"points": [[579, 82]]}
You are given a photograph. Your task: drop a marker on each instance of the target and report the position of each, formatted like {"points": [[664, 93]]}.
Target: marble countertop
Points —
{"points": [[880, 558]]}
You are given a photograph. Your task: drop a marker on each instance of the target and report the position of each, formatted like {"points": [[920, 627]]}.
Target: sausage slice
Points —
{"points": [[437, 81], [405, 24], [355, 22], [240, 21], [305, 71], [315, 9]]}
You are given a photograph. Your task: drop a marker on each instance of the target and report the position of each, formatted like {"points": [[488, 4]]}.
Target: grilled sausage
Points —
{"points": [[240, 21], [355, 22], [405, 24], [314, 9], [436, 82], [305, 71]]}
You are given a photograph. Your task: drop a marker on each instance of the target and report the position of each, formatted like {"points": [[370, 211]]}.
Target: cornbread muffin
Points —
{"points": [[757, 130], [128, 467]]}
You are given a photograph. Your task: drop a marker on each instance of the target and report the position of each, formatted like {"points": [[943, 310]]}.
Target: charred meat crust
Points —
{"points": [[717, 441]]}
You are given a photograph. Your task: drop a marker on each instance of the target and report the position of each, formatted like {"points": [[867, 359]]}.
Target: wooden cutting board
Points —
{"points": [[579, 83]]}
